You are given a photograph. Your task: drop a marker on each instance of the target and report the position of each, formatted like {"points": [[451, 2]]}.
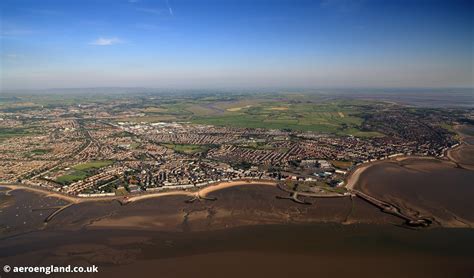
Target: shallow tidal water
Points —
{"points": [[337, 250]]}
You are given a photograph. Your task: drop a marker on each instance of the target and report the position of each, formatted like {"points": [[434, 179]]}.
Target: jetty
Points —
{"points": [[393, 210]]}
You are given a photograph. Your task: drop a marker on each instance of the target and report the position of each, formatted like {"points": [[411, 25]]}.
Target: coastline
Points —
{"points": [[203, 192], [351, 180], [463, 146], [43, 191], [352, 183], [448, 215], [206, 190], [354, 175]]}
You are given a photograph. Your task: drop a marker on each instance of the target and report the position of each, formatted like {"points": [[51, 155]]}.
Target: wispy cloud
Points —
{"points": [[169, 7], [133, 1], [106, 41]]}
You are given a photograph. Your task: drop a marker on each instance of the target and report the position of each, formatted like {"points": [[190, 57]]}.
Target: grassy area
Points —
{"points": [[303, 112], [148, 119], [6, 132], [134, 145], [92, 164], [285, 110], [332, 117], [41, 151], [82, 171], [154, 110], [337, 189], [200, 110], [306, 186], [448, 127], [187, 148], [72, 177]]}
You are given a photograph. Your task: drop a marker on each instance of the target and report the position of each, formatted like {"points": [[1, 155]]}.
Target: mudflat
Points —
{"points": [[428, 187], [464, 154]]}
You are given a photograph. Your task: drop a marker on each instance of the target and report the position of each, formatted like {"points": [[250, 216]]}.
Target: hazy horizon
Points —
{"points": [[249, 89], [236, 44]]}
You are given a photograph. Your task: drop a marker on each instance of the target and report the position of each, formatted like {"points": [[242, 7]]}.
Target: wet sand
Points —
{"points": [[25, 211], [354, 176], [464, 154], [236, 206], [246, 231], [206, 191], [424, 187], [250, 204], [12, 187], [418, 186], [438, 189], [134, 198]]}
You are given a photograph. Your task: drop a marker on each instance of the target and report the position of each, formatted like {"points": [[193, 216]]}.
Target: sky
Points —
{"points": [[236, 44]]}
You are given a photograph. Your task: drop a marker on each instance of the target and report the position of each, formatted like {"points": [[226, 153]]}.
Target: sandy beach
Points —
{"points": [[158, 195], [207, 190], [41, 191], [353, 177], [134, 198]]}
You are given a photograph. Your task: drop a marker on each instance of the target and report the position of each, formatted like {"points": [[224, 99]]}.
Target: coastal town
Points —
{"points": [[236, 138], [96, 149]]}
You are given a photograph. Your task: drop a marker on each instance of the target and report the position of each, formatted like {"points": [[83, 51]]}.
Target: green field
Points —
{"points": [[92, 164], [186, 148], [40, 151], [82, 171], [149, 118], [72, 177], [295, 113], [6, 132], [306, 186], [332, 117], [285, 110]]}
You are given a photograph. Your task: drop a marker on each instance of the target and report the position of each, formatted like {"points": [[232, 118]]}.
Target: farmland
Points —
{"points": [[336, 118], [298, 112]]}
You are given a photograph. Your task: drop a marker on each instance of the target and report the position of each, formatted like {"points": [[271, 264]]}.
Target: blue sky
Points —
{"points": [[226, 43]]}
